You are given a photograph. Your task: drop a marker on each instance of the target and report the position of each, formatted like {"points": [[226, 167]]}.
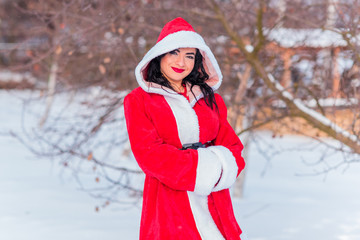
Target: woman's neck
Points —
{"points": [[177, 86]]}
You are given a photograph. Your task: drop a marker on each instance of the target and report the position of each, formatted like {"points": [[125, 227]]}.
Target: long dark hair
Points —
{"points": [[197, 76]]}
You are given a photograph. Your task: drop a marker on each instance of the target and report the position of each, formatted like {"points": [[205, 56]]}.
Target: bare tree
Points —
{"points": [[90, 48]]}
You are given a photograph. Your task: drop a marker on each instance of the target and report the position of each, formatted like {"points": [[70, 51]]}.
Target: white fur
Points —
{"points": [[229, 167], [208, 168], [186, 119], [207, 173], [203, 219]]}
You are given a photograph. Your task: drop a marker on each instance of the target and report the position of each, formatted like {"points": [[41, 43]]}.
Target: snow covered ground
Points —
{"points": [[39, 201]]}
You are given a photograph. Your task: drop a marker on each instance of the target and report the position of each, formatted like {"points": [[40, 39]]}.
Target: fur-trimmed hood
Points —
{"points": [[179, 34]]}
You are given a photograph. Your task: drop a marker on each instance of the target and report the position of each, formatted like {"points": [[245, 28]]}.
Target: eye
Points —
{"points": [[174, 52], [190, 57]]}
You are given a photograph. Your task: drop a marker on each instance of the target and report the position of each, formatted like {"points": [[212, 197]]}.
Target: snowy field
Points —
{"points": [[38, 201]]}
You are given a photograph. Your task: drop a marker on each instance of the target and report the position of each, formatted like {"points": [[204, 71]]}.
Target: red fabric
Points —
{"points": [[171, 172], [176, 25]]}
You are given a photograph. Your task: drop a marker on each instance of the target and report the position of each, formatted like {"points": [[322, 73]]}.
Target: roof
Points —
{"points": [[315, 38]]}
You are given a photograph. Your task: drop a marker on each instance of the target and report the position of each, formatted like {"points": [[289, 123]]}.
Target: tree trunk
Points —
{"points": [[51, 90], [247, 122], [238, 189]]}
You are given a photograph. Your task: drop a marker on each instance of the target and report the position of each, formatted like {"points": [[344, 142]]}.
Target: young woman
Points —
{"points": [[182, 141]]}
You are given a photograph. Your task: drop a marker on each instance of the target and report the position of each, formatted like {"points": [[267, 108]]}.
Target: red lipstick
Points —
{"points": [[178, 70]]}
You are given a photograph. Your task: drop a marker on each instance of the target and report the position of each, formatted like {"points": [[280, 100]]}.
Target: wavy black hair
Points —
{"points": [[197, 76]]}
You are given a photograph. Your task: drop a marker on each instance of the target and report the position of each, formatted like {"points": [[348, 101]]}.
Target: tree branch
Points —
{"points": [[295, 106]]}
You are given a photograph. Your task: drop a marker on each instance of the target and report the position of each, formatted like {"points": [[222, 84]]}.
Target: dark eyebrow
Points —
{"points": [[177, 50]]}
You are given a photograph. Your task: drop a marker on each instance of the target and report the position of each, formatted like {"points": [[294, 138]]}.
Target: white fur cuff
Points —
{"points": [[229, 167], [208, 171]]}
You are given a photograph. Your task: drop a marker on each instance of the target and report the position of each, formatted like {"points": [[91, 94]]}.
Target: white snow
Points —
{"points": [[287, 203], [249, 48], [319, 117], [40, 200], [316, 38], [323, 102], [8, 76]]}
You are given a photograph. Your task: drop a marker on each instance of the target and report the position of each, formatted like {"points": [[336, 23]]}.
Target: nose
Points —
{"points": [[180, 61]]}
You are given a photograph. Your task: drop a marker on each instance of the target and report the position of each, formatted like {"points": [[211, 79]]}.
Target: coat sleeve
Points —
{"points": [[228, 147], [178, 169]]}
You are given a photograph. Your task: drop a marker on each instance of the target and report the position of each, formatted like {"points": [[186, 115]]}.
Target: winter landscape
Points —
{"points": [[283, 199], [290, 80]]}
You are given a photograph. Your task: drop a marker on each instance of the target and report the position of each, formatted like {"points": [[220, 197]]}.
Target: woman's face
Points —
{"points": [[177, 64]]}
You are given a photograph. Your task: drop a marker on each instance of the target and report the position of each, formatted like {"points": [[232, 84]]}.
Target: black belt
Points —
{"points": [[195, 145]]}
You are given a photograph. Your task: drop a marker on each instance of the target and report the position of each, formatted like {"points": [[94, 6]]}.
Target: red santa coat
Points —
{"points": [[180, 198]]}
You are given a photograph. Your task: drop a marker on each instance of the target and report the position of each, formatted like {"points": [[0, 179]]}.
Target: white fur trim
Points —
{"points": [[188, 129], [208, 171], [203, 219], [229, 167], [186, 119], [194, 100]]}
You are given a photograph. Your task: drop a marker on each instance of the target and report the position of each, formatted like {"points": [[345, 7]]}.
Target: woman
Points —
{"points": [[182, 141]]}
